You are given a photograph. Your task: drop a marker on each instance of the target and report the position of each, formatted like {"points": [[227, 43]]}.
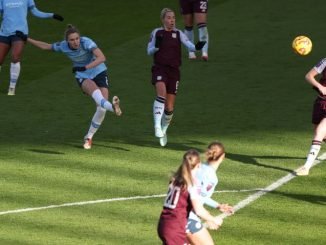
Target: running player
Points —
{"points": [[90, 72], [195, 11], [14, 18], [207, 181], [165, 46], [182, 197], [318, 114]]}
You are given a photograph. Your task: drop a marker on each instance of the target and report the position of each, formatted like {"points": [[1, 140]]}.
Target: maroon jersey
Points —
{"points": [[169, 51], [173, 219]]}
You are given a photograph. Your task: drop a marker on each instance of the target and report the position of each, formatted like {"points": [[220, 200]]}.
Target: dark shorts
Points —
{"points": [[172, 232], [101, 80], [169, 75], [193, 226], [193, 6], [319, 111], [10, 39]]}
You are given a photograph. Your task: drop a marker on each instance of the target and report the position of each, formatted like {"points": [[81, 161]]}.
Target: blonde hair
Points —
{"points": [[70, 30], [215, 151], [164, 12], [182, 177]]}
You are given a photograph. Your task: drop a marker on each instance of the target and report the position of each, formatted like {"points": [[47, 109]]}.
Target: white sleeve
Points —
{"points": [[151, 44], [320, 67], [184, 39], [193, 192]]}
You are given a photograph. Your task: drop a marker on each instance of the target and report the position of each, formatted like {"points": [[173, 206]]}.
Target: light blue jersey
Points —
{"points": [[14, 16], [81, 57], [207, 179]]}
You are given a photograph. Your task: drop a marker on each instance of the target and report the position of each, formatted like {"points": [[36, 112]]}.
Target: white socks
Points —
{"points": [[96, 122], [166, 120], [14, 74], [203, 35], [101, 101], [158, 109], [313, 153]]}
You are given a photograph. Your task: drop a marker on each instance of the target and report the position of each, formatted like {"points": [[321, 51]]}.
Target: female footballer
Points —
{"points": [[182, 197], [207, 181], [318, 114], [14, 20], [90, 72], [165, 46], [195, 11]]}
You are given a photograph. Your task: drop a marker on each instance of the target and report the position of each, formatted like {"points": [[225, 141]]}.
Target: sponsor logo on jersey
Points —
{"points": [[159, 78], [174, 35]]}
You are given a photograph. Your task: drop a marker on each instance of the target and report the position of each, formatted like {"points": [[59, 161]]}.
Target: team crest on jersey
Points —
{"points": [[159, 78], [174, 35]]}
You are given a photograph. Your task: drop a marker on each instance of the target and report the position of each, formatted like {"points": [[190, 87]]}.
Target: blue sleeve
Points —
{"points": [[210, 202], [57, 47], [151, 44], [36, 12], [88, 44]]}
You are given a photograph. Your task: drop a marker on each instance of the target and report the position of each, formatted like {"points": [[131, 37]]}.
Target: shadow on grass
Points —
{"points": [[46, 151], [321, 200], [246, 159]]}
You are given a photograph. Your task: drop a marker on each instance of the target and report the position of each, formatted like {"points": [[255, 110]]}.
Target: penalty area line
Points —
{"points": [[268, 189]]}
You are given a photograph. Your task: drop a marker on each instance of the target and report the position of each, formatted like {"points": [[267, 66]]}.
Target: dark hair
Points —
{"points": [[215, 151], [182, 177], [70, 30]]}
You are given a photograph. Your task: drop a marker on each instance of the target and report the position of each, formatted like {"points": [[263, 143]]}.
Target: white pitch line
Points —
{"points": [[24, 210], [268, 189], [237, 207]]}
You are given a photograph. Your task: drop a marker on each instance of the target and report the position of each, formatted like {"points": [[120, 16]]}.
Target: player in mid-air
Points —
{"points": [[165, 46], [318, 114], [14, 19], [195, 11], [90, 72], [181, 198], [207, 181]]}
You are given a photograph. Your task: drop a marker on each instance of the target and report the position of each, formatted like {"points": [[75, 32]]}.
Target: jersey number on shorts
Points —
{"points": [[203, 5], [172, 198]]}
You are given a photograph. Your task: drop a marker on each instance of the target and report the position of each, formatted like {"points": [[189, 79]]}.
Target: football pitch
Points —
{"points": [[251, 95]]}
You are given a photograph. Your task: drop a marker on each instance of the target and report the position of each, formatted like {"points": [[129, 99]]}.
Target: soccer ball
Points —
{"points": [[302, 45]]}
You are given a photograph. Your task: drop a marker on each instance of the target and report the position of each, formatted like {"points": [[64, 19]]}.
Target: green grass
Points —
{"points": [[251, 95]]}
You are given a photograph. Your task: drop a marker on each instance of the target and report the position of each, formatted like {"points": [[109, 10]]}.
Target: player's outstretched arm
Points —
{"points": [[40, 44]]}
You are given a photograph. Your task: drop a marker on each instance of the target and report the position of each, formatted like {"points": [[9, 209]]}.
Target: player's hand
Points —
{"points": [[158, 41], [58, 17], [211, 225], [226, 208], [200, 45], [322, 90], [21, 35], [78, 68]]}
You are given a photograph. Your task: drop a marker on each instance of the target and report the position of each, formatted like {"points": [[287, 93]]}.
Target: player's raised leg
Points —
{"points": [[90, 88], [17, 49]]}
